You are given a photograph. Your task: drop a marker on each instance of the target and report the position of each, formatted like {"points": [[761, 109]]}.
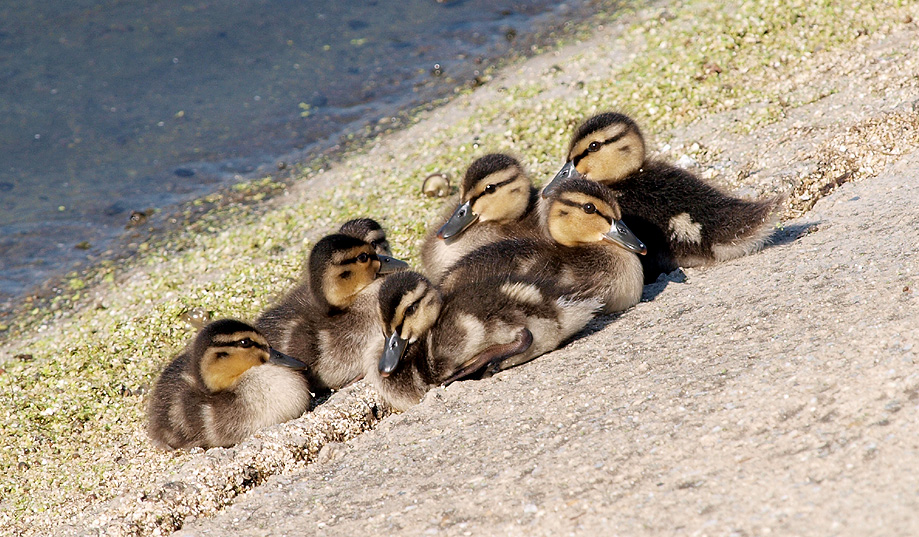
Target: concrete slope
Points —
{"points": [[775, 394]]}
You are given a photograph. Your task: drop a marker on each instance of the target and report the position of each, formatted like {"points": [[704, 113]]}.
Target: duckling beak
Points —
{"points": [[395, 348], [390, 264], [568, 171], [461, 218], [281, 359], [621, 235]]}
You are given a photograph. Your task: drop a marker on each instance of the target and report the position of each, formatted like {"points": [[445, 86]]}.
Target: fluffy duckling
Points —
{"points": [[683, 220], [587, 249], [227, 384], [497, 201], [499, 322], [314, 322], [368, 230]]}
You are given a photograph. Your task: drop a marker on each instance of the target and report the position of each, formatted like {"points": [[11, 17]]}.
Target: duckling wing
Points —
{"points": [[688, 222]]}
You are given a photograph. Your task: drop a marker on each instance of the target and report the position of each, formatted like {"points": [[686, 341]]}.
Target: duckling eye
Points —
{"points": [[245, 343], [363, 257], [594, 146], [376, 243], [490, 189], [411, 309], [589, 208]]}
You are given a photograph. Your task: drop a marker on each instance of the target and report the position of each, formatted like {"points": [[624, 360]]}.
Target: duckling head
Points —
{"points": [[341, 266], [495, 189], [583, 212], [368, 230], [606, 148], [409, 307], [226, 349]]}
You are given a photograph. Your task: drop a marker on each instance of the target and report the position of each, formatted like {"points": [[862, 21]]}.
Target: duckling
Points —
{"points": [[368, 230], [585, 248], [499, 322], [313, 321], [227, 384], [497, 201], [683, 220]]}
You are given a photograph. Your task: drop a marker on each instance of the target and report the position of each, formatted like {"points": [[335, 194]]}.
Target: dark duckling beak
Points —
{"points": [[281, 359], [390, 264], [568, 171], [621, 235], [392, 353], [461, 218]]}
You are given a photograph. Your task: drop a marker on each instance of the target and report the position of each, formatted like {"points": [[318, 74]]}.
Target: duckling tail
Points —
{"points": [[754, 232]]}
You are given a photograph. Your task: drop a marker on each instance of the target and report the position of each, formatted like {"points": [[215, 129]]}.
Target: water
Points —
{"points": [[113, 106]]}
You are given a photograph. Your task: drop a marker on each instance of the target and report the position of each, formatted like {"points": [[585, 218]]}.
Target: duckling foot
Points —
{"points": [[491, 358]]}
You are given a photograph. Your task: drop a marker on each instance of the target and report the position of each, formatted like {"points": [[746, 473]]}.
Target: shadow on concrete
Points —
{"points": [[789, 234]]}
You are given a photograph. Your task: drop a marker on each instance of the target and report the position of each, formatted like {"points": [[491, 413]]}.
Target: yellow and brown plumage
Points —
{"points": [[497, 201], [683, 220], [585, 249], [227, 384], [316, 321], [499, 322]]}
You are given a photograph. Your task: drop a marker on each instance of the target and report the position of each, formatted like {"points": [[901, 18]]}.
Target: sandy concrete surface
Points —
{"points": [[775, 394]]}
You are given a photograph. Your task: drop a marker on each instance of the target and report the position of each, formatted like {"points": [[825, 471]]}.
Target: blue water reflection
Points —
{"points": [[112, 106]]}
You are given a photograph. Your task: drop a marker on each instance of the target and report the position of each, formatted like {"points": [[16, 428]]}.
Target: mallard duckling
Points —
{"points": [[370, 231], [313, 321], [587, 249], [227, 384], [497, 201], [683, 220], [498, 323]]}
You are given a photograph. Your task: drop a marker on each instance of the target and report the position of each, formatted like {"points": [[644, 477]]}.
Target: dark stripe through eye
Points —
{"points": [[492, 187], [595, 146], [247, 343], [363, 257], [588, 208]]}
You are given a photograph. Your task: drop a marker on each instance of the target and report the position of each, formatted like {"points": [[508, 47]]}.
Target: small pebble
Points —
{"points": [[137, 218], [197, 317], [436, 185]]}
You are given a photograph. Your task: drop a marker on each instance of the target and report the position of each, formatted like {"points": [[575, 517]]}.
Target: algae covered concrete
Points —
{"points": [[813, 100]]}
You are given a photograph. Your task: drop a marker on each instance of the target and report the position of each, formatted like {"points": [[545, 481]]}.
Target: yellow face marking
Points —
{"points": [[222, 367], [502, 196], [570, 224], [417, 312], [610, 154], [600, 137], [348, 273]]}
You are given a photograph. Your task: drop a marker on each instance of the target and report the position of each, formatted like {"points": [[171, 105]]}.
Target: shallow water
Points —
{"points": [[115, 106]]}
